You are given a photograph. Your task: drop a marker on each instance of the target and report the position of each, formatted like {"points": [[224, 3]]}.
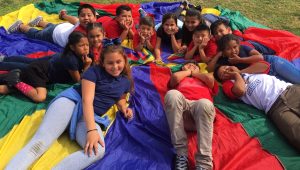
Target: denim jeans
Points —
{"points": [[19, 62], [44, 35], [283, 69]]}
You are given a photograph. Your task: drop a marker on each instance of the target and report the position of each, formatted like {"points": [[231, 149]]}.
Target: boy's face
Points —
{"points": [[125, 16], [86, 16], [146, 31], [231, 49], [200, 36], [221, 31], [224, 73], [191, 22]]}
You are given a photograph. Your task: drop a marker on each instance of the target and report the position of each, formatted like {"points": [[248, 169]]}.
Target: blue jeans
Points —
{"points": [[283, 69], [55, 122], [44, 35], [19, 62]]}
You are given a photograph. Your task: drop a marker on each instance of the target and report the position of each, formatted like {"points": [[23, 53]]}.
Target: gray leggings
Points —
{"points": [[55, 122]]}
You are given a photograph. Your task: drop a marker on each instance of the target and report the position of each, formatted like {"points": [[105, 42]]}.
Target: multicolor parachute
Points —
{"points": [[243, 137]]}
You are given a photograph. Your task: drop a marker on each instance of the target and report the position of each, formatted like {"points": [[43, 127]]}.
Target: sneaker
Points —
{"points": [[35, 22], [62, 13], [181, 162], [12, 78], [15, 27], [142, 12]]}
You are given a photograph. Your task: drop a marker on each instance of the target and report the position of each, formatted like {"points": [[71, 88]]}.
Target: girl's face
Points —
{"points": [[191, 22], [114, 63], [231, 49], [221, 31], [95, 37], [81, 48], [170, 25], [190, 66]]}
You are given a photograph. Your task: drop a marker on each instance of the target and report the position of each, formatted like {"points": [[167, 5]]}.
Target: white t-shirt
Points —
{"points": [[262, 90], [61, 33]]}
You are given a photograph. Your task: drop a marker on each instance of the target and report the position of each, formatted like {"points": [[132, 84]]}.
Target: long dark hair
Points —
{"points": [[118, 49], [73, 39]]}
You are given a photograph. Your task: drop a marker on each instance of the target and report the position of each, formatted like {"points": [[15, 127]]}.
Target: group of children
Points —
{"points": [[93, 55]]}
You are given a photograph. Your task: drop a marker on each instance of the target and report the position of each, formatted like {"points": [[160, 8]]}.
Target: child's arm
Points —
{"points": [[254, 56], [131, 32], [71, 19], [207, 78], [92, 137], [212, 63], [257, 68], [75, 75], [140, 45], [157, 49], [176, 44], [121, 104], [239, 87], [190, 53], [64, 16], [149, 45], [87, 61], [127, 30], [202, 54], [178, 76]]}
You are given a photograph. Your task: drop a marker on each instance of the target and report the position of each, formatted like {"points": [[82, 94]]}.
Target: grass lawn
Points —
{"points": [[276, 14]]}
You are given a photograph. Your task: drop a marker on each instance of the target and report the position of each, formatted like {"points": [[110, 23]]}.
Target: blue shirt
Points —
{"points": [[108, 90], [244, 52], [59, 66]]}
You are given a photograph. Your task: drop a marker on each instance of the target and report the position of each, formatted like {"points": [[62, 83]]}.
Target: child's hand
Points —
{"points": [[129, 24], [158, 60], [128, 114], [92, 140], [142, 38], [123, 24], [174, 30], [233, 69], [86, 60], [234, 59], [204, 42], [182, 49]]}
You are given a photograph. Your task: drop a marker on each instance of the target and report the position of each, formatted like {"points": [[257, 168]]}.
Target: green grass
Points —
{"points": [[276, 14]]}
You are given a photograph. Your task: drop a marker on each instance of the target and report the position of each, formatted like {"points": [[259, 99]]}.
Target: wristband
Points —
{"points": [[90, 130]]}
